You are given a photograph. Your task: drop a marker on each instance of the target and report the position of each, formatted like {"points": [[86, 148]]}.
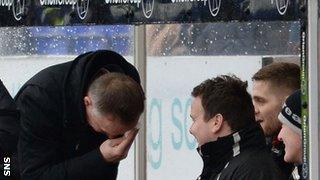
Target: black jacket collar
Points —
{"points": [[217, 154], [78, 77], [296, 172]]}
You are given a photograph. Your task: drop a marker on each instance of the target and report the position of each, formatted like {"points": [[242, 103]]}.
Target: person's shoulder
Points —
{"points": [[53, 73], [257, 158], [50, 79], [46, 86], [257, 164]]}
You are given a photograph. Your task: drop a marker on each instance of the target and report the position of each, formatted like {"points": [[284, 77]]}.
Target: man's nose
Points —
{"points": [[190, 130], [280, 135], [256, 110]]}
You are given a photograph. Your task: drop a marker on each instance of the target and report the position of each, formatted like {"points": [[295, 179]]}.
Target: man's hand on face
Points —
{"points": [[114, 150]]}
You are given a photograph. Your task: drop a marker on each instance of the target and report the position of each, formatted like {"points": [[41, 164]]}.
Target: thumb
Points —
{"points": [[128, 140], [115, 142]]}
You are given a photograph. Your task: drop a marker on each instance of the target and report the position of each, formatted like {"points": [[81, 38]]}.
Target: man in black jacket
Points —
{"points": [[9, 132], [271, 85], [231, 143], [78, 118], [9, 123]]}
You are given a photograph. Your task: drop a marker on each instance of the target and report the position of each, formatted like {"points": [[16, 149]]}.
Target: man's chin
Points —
{"points": [[261, 124], [265, 131], [259, 121]]}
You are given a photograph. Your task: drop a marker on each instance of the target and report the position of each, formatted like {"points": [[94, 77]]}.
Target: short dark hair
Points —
{"points": [[119, 95], [228, 96], [280, 74]]}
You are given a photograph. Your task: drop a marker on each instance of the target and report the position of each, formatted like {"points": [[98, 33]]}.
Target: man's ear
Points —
{"points": [[217, 123], [87, 101]]}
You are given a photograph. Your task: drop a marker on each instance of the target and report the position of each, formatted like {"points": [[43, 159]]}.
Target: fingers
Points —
{"points": [[114, 150], [139, 125], [115, 142], [125, 145]]}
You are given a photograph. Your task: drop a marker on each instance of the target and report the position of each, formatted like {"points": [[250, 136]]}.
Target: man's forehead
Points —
{"points": [[262, 88], [196, 107], [267, 89], [196, 103], [261, 84]]}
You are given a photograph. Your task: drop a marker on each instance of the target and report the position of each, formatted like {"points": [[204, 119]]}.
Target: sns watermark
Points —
{"points": [[6, 166]]}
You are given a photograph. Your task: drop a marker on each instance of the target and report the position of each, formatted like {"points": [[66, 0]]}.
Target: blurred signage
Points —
{"points": [[77, 12], [16, 6]]}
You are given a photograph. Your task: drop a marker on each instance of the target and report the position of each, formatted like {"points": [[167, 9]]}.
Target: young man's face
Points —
{"points": [[200, 128], [267, 103], [293, 146]]}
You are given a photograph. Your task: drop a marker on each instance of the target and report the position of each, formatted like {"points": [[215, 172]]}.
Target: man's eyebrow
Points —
{"points": [[257, 97]]}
